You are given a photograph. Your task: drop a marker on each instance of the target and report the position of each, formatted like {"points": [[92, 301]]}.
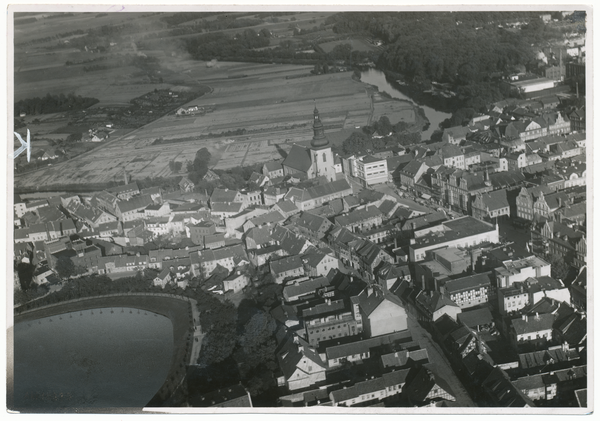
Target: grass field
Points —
{"points": [[269, 104]]}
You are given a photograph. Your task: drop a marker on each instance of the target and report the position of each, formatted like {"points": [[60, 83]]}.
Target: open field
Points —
{"points": [[259, 109], [272, 110], [79, 21]]}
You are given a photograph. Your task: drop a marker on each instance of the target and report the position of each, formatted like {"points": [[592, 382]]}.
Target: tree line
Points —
{"points": [[53, 104]]}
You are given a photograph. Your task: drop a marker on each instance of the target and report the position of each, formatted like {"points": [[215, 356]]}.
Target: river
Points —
{"points": [[100, 358], [377, 78]]}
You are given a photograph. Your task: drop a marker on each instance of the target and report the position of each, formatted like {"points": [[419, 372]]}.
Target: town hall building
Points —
{"points": [[314, 161]]}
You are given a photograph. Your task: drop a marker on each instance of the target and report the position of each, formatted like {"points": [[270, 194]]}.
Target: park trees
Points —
{"points": [[65, 267]]}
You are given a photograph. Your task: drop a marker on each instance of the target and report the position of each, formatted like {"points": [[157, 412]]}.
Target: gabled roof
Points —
{"points": [[357, 216], [533, 324], [272, 166], [333, 187], [127, 188], [298, 158], [286, 206], [223, 195], [495, 200], [311, 222], [435, 301], [228, 207], [260, 235], [369, 302], [477, 317], [267, 218], [457, 132], [135, 203], [306, 287], [412, 168]]}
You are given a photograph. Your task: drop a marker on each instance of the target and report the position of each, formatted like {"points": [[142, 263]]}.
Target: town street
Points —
{"points": [[437, 358]]}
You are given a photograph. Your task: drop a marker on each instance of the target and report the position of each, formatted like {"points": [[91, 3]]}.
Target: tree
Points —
{"points": [[255, 353], [65, 267], [357, 143], [558, 267], [25, 272]]}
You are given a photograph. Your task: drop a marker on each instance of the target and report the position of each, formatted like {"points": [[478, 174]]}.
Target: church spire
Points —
{"points": [[319, 140]]}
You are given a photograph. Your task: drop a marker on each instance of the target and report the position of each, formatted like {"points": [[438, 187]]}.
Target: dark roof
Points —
{"points": [[468, 282], [311, 222], [362, 346], [533, 324], [474, 318], [285, 264], [298, 158], [223, 195]]}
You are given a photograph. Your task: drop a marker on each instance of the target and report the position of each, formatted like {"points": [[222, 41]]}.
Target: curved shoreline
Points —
{"points": [[177, 309]]}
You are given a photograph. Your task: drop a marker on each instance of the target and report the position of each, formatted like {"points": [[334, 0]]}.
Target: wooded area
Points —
{"points": [[53, 104]]}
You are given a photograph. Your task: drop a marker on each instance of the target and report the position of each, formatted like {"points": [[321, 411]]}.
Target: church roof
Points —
{"points": [[298, 159]]}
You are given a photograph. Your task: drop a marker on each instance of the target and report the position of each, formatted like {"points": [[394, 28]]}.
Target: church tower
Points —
{"points": [[320, 151]]}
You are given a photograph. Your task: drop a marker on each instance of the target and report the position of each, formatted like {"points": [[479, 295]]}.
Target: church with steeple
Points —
{"points": [[312, 161]]}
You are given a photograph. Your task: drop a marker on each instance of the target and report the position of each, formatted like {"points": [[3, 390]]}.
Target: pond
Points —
{"points": [[100, 358], [377, 78]]}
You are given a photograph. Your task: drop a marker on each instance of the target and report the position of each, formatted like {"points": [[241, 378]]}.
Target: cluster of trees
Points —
{"points": [[215, 25], [362, 142], [53, 104], [199, 167], [175, 166], [95, 68], [464, 49], [88, 286], [239, 345], [221, 46]]}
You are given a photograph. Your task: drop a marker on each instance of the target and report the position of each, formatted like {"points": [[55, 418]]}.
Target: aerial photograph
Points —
{"points": [[298, 211]]}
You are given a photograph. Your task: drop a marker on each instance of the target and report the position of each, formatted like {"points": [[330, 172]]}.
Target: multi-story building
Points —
{"points": [[458, 188], [512, 299], [453, 156], [531, 329], [207, 260], [526, 199], [461, 232], [491, 205], [197, 232], [470, 291], [519, 270], [370, 170]]}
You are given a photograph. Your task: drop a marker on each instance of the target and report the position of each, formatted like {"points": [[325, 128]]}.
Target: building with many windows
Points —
{"points": [[370, 170]]}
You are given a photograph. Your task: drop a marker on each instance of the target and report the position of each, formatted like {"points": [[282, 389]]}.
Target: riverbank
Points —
{"points": [[421, 98], [176, 309]]}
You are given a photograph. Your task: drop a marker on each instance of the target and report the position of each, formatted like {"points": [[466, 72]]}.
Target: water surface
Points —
{"points": [[377, 78], [110, 357]]}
